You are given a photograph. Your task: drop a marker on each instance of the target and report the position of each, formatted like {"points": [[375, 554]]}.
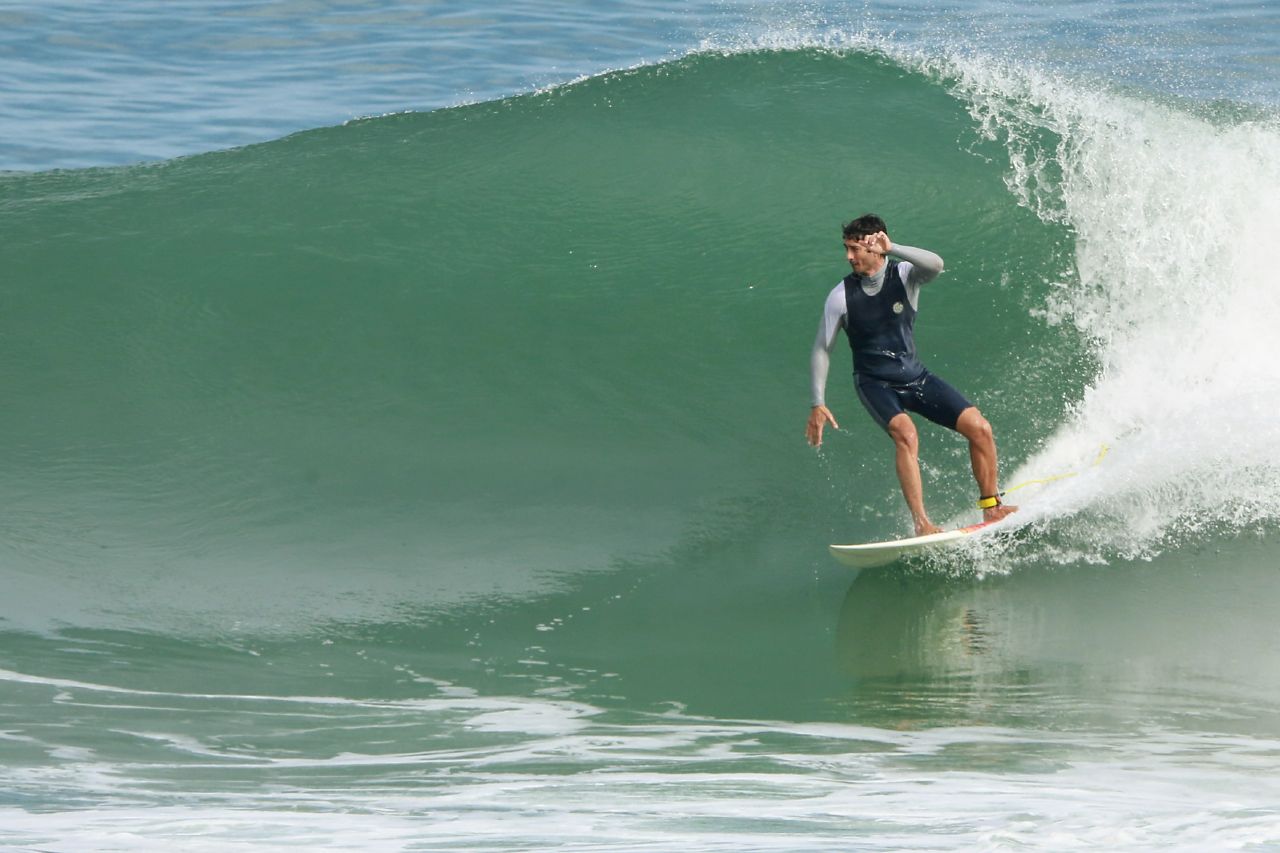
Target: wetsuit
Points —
{"points": [[878, 314]]}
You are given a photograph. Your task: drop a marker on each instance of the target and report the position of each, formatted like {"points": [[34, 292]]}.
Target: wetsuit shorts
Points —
{"points": [[927, 395]]}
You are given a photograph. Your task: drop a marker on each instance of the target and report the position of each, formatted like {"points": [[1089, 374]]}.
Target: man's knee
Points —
{"points": [[973, 426], [903, 432]]}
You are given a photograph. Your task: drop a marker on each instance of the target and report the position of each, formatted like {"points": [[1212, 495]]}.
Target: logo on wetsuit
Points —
{"points": [[897, 307]]}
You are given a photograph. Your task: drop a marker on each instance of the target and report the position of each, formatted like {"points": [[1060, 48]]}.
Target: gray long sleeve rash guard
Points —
{"points": [[918, 267]]}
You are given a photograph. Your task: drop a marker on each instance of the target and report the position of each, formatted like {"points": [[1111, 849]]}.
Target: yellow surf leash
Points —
{"points": [[1101, 455]]}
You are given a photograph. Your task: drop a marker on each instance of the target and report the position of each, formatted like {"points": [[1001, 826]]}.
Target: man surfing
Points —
{"points": [[876, 306]]}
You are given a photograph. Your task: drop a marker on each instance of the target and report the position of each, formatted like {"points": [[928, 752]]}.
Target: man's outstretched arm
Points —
{"points": [[820, 366]]}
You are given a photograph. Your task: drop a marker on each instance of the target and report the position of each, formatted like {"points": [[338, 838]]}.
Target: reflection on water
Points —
{"points": [[896, 621], [1118, 644]]}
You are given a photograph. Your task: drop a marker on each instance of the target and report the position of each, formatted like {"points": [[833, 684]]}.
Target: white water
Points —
{"points": [[523, 773], [1178, 290]]}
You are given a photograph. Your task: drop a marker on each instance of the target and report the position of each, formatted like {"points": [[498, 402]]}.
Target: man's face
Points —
{"points": [[863, 260]]}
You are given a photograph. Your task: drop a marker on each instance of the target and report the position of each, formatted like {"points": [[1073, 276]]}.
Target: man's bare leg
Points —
{"points": [[907, 461], [982, 455]]}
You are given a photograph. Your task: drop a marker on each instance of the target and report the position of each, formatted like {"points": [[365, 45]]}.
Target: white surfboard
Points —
{"points": [[882, 553], [872, 554]]}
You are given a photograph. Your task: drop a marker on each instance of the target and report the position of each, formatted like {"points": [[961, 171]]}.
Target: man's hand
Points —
{"points": [[878, 242], [819, 416]]}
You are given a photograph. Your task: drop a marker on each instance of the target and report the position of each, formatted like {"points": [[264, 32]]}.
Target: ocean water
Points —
{"points": [[403, 434]]}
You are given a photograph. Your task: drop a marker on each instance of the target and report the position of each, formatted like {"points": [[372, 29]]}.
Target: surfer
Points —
{"points": [[876, 306]]}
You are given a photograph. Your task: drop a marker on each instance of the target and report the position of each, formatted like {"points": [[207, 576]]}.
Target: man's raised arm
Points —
{"points": [[925, 265]]}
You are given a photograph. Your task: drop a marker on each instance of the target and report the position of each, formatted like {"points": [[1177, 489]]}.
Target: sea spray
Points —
{"points": [[1175, 289]]}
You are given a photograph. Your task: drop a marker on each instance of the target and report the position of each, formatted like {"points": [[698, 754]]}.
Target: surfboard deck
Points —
{"points": [[870, 554]]}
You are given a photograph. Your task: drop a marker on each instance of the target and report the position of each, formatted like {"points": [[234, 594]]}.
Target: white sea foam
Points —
{"points": [[1175, 216], [644, 782]]}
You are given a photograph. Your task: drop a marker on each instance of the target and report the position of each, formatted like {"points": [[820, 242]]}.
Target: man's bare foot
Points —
{"points": [[925, 527], [997, 512]]}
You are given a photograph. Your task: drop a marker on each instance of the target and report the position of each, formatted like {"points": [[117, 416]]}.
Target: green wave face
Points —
{"points": [[480, 351]]}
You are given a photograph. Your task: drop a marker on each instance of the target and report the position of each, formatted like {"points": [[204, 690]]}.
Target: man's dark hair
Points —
{"points": [[863, 226]]}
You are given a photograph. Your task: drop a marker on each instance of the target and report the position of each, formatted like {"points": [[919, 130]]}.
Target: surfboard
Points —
{"points": [[871, 554]]}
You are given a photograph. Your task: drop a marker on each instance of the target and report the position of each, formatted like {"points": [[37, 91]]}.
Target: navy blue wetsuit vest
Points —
{"points": [[879, 329]]}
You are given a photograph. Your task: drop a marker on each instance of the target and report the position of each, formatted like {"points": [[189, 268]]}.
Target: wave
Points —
{"points": [[479, 353]]}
